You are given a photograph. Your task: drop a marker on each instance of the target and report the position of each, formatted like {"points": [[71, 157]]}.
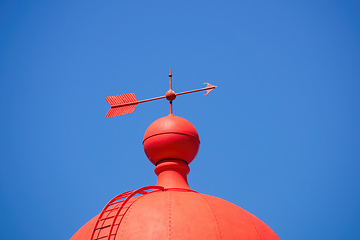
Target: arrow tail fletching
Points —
{"points": [[118, 111], [128, 100], [121, 99]]}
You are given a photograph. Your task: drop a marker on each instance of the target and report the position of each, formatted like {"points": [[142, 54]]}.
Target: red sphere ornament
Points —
{"points": [[170, 95], [171, 137]]}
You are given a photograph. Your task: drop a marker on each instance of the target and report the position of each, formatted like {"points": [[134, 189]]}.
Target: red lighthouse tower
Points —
{"points": [[170, 209]]}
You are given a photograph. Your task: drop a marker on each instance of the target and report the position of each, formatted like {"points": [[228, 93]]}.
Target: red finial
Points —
{"points": [[171, 143]]}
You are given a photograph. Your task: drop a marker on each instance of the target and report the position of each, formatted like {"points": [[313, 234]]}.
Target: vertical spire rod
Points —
{"points": [[170, 95], [170, 79], [170, 89]]}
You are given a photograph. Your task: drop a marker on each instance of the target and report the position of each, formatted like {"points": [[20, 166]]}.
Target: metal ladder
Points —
{"points": [[109, 220]]}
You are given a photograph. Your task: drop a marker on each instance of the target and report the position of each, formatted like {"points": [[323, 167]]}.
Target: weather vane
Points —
{"points": [[126, 103]]}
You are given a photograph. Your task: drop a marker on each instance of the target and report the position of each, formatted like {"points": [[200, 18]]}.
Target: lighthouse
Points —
{"points": [[170, 209]]}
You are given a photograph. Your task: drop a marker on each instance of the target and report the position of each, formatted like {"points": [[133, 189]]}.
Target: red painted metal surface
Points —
{"points": [[126, 103]]}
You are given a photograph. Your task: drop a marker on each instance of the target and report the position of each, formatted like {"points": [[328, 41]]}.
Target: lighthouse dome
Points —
{"points": [[171, 210]]}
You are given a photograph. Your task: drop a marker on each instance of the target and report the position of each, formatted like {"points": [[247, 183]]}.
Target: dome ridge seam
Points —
{"points": [[169, 215], [126, 215], [251, 223], [214, 216]]}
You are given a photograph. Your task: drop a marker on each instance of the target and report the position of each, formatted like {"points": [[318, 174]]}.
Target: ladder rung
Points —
{"points": [[113, 203], [124, 207], [102, 227], [108, 210], [100, 237], [124, 195], [117, 200], [120, 202], [106, 218]]}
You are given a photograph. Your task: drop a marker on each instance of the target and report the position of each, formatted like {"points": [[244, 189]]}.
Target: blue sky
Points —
{"points": [[279, 136]]}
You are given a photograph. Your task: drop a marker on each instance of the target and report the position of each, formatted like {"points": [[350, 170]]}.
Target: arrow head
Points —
{"points": [[209, 88]]}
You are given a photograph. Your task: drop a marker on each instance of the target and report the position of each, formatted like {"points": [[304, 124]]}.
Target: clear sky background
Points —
{"points": [[280, 136]]}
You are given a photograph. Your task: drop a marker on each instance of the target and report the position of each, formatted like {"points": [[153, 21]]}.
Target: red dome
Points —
{"points": [[172, 210], [183, 214], [171, 137]]}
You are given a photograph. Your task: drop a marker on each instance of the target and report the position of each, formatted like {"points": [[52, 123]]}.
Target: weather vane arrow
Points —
{"points": [[126, 103]]}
